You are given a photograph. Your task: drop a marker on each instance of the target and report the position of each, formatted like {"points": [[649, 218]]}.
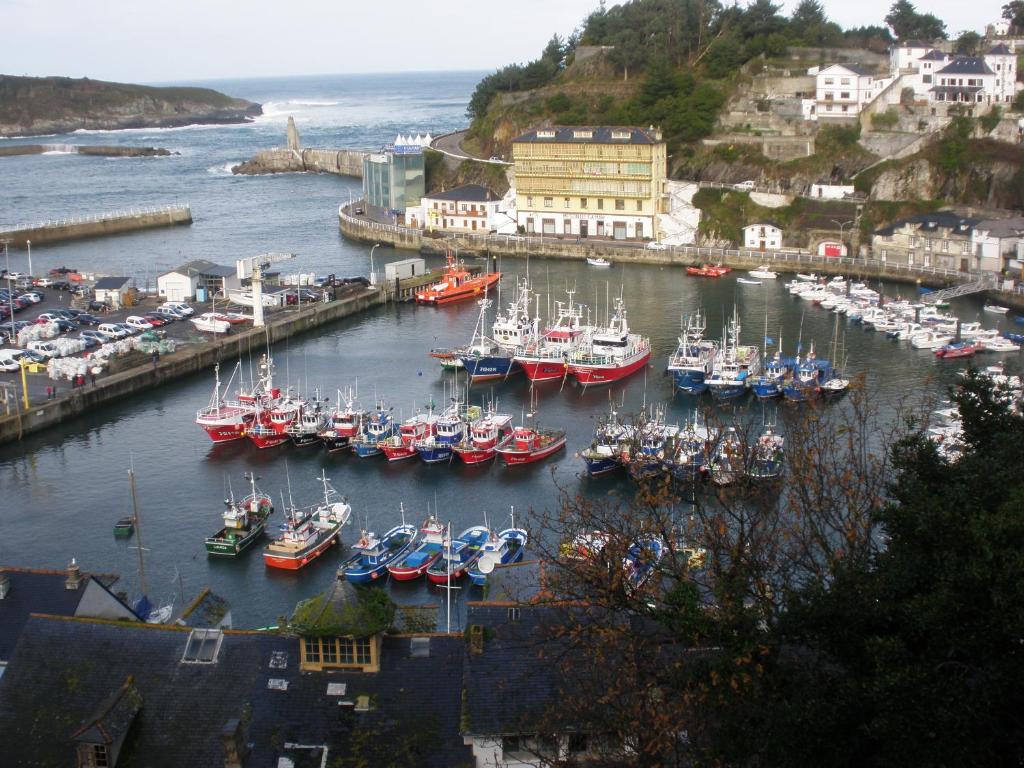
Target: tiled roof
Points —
{"points": [[966, 65], [110, 283], [854, 68], [1013, 227], [597, 135], [764, 223], [467, 193], [64, 669], [202, 267]]}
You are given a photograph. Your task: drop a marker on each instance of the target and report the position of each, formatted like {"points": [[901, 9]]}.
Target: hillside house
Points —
{"points": [[842, 90], [994, 243], [762, 236], [941, 239], [469, 208]]}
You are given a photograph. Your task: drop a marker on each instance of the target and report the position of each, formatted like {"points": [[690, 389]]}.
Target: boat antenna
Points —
{"points": [[288, 478], [448, 572], [138, 529], [401, 508]]}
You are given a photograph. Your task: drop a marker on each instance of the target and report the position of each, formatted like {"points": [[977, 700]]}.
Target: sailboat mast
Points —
{"points": [[138, 531]]}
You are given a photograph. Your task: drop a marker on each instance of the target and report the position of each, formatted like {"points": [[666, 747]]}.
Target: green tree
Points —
{"points": [[968, 44], [1013, 12], [906, 23]]}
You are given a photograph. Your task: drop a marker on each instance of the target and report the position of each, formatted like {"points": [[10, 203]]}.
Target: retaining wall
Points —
{"points": [[187, 360], [97, 226]]}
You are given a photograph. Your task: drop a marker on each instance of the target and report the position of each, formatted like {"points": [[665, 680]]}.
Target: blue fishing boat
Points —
{"points": [[484, 358], [694, 359], [1016, 338], [371, 555], [686, 457], [500, 549], [727, 462], [605, 452], [644, 456], [449, 430], [376, 427], [807, 379], [458, 555], [735, 365], [767, 456], [641, 560], [772, 379]]}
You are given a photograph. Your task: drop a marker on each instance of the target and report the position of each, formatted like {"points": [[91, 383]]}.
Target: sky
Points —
{"points": [[146, 41]]}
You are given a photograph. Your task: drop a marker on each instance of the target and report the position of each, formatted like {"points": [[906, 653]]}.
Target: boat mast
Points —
{"points": [[448, 572], [138, 531]]}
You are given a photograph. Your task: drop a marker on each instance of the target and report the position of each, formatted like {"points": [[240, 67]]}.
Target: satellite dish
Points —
{"points": [[486, 565]]}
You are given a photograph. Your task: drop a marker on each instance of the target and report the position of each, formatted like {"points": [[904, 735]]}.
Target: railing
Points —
{"points": [[125, 213], [681, 253]]}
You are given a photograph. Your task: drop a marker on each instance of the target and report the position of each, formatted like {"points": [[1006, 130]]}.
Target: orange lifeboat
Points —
{"points": [[457, 284]]}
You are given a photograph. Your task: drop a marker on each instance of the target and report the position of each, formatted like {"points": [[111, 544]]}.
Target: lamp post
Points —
{"points": [[28, 244], [841, 225], [373, 276], [10, 290]]}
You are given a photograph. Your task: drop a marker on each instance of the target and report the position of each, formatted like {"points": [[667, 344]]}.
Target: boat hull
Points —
{"points": [[302, 558], [543, 370], [692, 382], [513, 457], [224, 547], [398, 452], [224, 433], [473, 456], [410, 573], [728, 391], [366, 450], [591, 375], [267, 439], [766, 390], [435, 454], [602, 465], [489, 367]]}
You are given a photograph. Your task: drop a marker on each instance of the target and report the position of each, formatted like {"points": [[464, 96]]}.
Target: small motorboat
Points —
{"points": [[244, 522], [1016, 338], [640, 561], [708, 270], [811, 278], [996, 309], [956, 349], [211, 322], [448, 358], [414, 563], [458, 555], [745, 281], [371, 554], [124, 527], [763, 273], [457, 284], [598, 262]]}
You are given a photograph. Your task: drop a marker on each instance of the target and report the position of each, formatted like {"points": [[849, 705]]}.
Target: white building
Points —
{"points": [[1001, 28], [964, 80], [905, 55], [1003, 62], [842, 90], [994, 243], [182, 283], [832, 191], [762, 236], [469, 208], [113, 291]]}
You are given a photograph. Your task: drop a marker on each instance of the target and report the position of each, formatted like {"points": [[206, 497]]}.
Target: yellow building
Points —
{"points": [[591, 182]]}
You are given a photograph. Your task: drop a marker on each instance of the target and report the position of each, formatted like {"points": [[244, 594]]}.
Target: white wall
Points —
{"points": [[755, 234], [175, 286]]}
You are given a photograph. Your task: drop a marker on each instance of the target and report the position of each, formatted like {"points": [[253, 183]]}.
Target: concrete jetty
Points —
{"points": [[294, 159], [111, 223]]}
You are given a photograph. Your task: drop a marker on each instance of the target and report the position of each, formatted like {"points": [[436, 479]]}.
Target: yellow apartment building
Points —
{"points": [[590, 182]]}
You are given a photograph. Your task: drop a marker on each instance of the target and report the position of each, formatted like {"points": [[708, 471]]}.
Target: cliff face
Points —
{"points": [[33, 106]]}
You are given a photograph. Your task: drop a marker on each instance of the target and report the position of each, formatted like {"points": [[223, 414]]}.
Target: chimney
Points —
{"points": [[5, 585], [476, 639], [232, 736], [74, 575]]}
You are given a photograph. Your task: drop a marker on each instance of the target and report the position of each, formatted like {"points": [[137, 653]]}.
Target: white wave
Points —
{"points": [[221, 170], [189, 127], [59, 152], [37, 136]]}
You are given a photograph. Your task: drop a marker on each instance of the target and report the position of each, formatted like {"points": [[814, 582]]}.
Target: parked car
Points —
{"points": [[182, 309], [138, 322], [43, 282], [46, 348], [86, 319], [79, 290], [9, 359], [157, 321], [61, 285], [98, 336], [168, 313], [65, 326], [654, 245], [114, 330], [131, 330], [89, 342], [24, 282], [746, 186], [98, 306], [49, 317]]}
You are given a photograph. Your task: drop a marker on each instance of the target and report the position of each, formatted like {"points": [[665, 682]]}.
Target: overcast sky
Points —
{"points": [[146, 41]]}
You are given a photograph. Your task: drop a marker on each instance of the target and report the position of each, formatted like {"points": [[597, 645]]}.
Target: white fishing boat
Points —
{"points": [[763, 273], [211, 323], [745, 281], [598, 262], [811, 278], [995, 308]]}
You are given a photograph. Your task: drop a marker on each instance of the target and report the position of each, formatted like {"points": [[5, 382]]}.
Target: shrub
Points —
{"points": [[885, 120]]}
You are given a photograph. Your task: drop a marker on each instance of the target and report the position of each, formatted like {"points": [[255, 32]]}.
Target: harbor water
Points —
{"points": [[62, 490]]}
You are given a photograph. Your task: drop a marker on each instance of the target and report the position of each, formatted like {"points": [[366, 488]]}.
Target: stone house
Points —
{"points": [[941, 239]]}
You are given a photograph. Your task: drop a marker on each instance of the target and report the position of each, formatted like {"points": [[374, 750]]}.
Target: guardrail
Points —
{"points": [[799, 259], [125, 213]]}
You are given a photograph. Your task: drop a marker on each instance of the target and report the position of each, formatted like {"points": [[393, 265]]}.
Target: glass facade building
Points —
{"points": [[394, 179]]}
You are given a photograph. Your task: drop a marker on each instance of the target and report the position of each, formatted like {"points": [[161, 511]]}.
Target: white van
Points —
{"points": [[177, 306], [137, 322], [45, 348], [114, 330]]}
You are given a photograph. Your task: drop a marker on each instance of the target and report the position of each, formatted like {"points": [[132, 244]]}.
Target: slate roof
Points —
{"points": [[854, 68], [39, 591], [1013, 227], [202, 268], [934, 55], [110, 283], [601, 135], [931, 222], [966, 65], [467, 193], [414, 719], [999, 50], [762, 223]]}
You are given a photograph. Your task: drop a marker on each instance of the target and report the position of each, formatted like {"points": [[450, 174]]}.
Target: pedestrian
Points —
{"points": [[156, 357], [49, 393], [92, 378]]}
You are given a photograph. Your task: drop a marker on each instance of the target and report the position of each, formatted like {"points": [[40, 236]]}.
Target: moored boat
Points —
{"points": [[458, 555], [727, 461], [641, 560], [526, 445], [411, 431], [956, 349], [344, 423], [767, 456], [244, 522], [307, 534], [225, 420], [415, 562], [457, 284], [545, 357], [376, 428], [598, 262], [735, 365], [502, 548], [483, 436], [694, 359], [610, 354], [372, 553]]}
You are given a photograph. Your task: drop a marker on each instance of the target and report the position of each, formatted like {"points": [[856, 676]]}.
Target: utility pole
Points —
{"points": [[28, 244], [373, 277]]}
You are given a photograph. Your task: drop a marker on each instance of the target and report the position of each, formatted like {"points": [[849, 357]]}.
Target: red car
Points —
{"points": [[156, 320]]}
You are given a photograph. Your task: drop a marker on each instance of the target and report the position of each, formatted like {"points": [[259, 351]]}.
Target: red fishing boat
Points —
{"points": [[484, 435], [956, 349], [305, 535], [411, 431], [225, 420], [271, 424], [528, 444], [611, 353], [545, 358], [708, 270], [457, 284], [414, 564]]}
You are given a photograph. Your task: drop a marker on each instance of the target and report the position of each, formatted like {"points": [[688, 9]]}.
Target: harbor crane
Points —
{"points": [[254, 268]]}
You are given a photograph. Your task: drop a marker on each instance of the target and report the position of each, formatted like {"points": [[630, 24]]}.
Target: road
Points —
{"points": [[451, 145]]}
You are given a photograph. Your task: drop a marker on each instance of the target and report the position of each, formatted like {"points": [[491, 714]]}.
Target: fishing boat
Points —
{"points": [[225, 420], [686, 453], [598, 262], [372, 553], [243, 522], [411, 431], [305, 534], [449, 358], [514, 328], [727, 461], [641, 560], [305, 431], [694, 359], [483, 358], [708, 270], [763, 273], [376, 428], [124, 528], [610, 354], [449, 430], [415, 561], [836, 383], [644, 457], [344, 423], [483, 437], [545, 357], [457, 284], [271, 424], [770, 382], [458, 555], [605, 452], [767, 456], [808, 377], [210, 322], [527, 444], [996, 309], [584, 546], [735, 365], [956, 349], [502, 548]]}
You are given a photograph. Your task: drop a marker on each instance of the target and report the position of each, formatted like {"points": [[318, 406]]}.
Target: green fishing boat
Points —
{"points": [[244, 522], [124, 527]]}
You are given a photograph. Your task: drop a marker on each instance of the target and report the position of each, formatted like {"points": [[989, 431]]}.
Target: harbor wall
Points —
{"points": [[363, 230], [83, 227], [185, 361], [341, 162]]}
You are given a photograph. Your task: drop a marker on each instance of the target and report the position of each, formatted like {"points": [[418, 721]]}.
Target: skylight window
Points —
{"points": [[202, 646]]}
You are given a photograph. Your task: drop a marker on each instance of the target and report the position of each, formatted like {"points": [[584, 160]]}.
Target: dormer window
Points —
{"points": [[583, 134], [620, 135], [545, 133]]}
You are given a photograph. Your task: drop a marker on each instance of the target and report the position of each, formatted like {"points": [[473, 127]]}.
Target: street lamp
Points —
{"points": [[841, 225], [28, 244], [10, 291], [373, 278]]}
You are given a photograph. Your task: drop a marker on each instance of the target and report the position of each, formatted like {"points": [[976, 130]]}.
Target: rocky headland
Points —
{"points": [[36, 106]]}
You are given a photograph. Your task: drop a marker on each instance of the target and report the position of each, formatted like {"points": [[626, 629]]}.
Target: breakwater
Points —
{"points": [[81, 149], [183, 362], [112, 223], [342, 162], [364, 230]]}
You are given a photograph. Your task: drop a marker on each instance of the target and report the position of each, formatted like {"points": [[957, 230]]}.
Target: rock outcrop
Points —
{"points": [[34, 106]]}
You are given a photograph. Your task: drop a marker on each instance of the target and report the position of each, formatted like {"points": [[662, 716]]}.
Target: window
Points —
{"points": [[100, 756], [202, 646], [620, 205], [600, 203], [529, 202], [945, 246], [620, 134], [913, 242], [966, 247], [312, 647], [583, 134], [545, 134], [513, 614], [926, 78], [345, 655], [829, 81], [362, 647], [567, 202], [549, 202], [583, 202], [639, 205], [330, 651], [927, 244], [844, 94]]}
